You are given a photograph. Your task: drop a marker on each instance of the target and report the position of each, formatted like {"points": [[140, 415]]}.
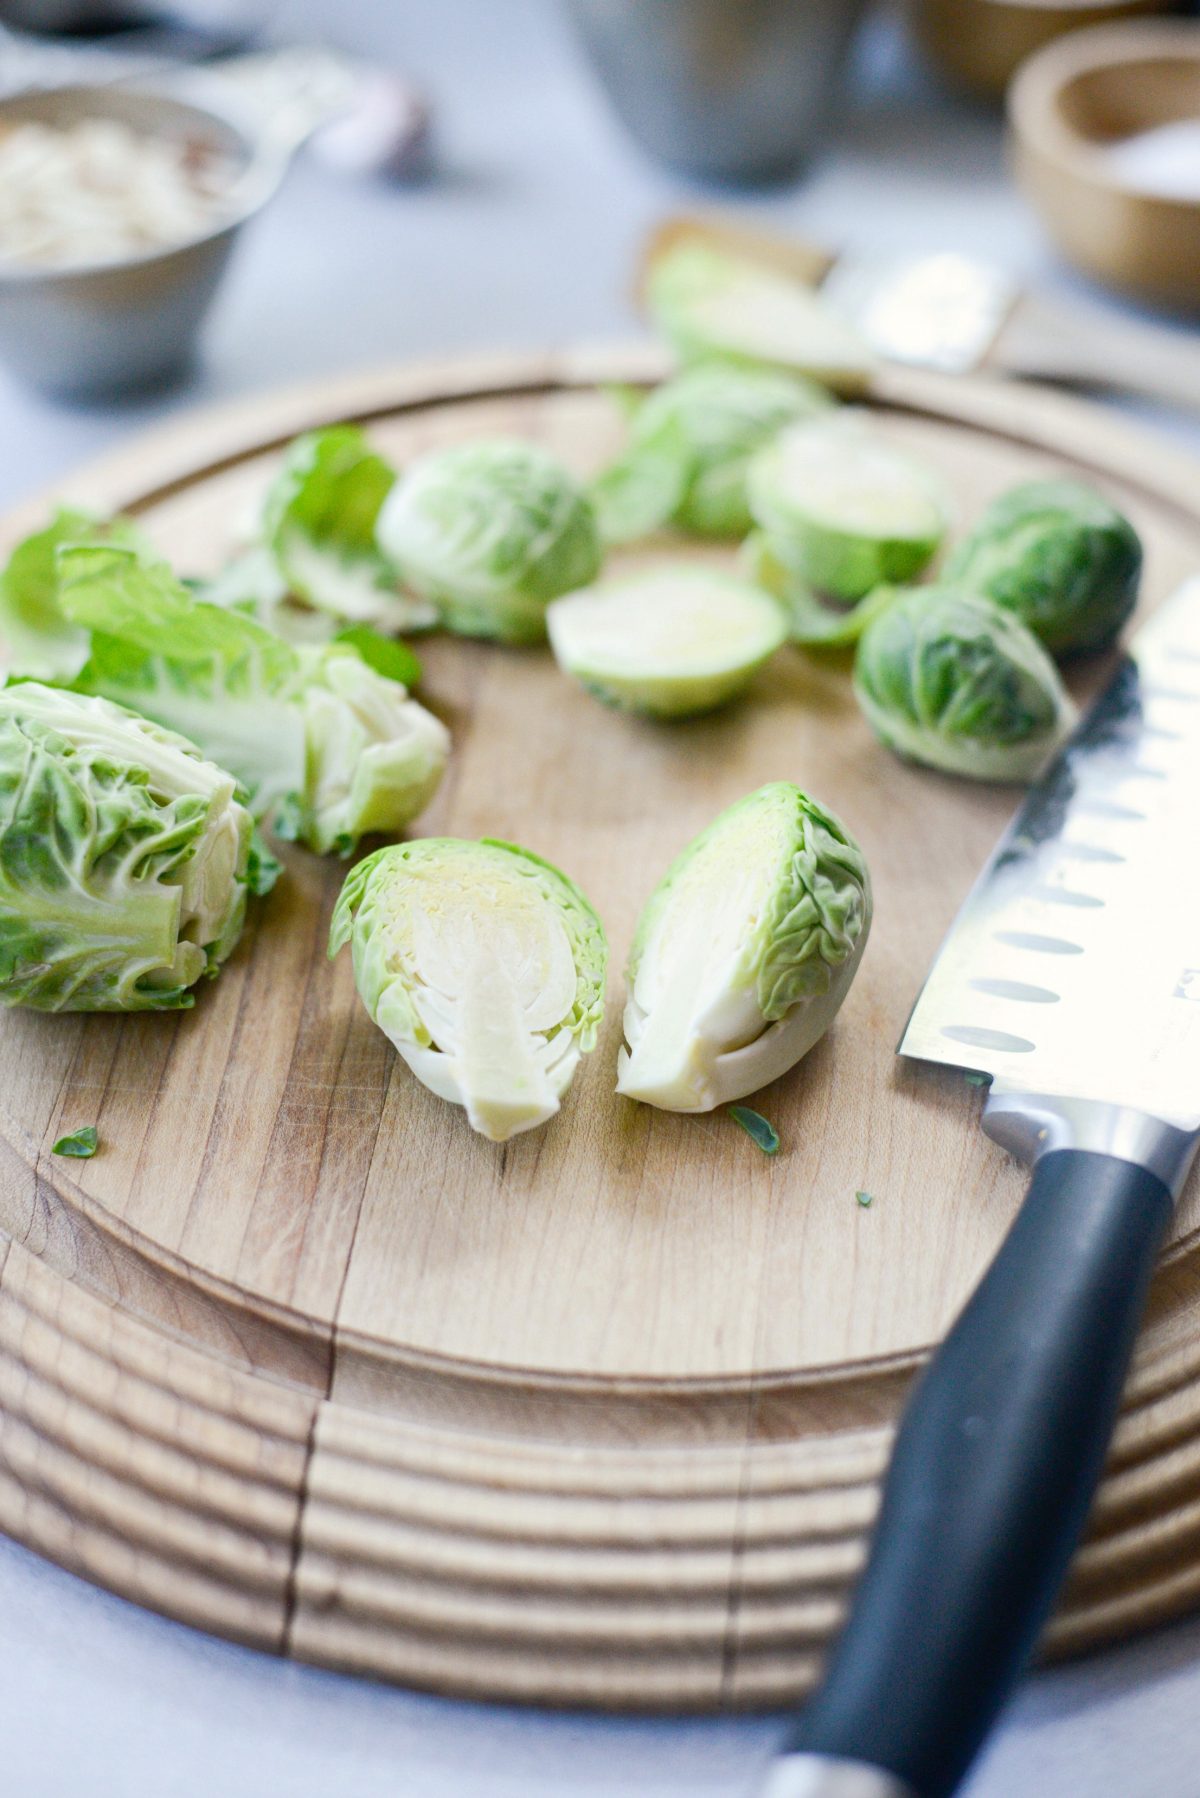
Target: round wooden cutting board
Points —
{"points": [[597, 1416]]}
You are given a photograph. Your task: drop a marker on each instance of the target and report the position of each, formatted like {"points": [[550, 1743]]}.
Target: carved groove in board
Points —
{"points": [[601, 1421]]}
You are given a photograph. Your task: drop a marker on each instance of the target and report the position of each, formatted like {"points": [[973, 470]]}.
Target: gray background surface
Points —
{"points": [[525, 237]]}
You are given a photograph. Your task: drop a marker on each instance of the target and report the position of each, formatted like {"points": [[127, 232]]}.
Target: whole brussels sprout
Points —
{"points": [[491, 532], [949, 678], [743, 953], [1058, 555], [843, 508], [690, 445]]}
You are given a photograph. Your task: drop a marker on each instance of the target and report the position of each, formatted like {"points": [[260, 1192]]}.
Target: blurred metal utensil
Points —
{"points": [[736, 90]]}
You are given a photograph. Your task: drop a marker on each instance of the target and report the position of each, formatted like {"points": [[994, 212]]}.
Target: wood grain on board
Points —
{"points": [[596, 1416]]}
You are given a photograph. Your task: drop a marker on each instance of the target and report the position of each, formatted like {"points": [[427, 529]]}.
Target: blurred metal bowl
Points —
{"points": [[730, 90], [85, 332]]}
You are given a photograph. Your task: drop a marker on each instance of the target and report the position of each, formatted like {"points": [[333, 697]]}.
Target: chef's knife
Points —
{"points": [[1071, 978]]}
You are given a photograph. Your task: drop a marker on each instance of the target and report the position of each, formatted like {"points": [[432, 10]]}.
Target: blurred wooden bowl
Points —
{"points": [[1068, 107], [980, 43]]}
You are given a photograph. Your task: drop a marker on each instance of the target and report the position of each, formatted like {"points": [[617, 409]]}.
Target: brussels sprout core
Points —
{"points": [[951, 679], [490, 532], [843, 509], [124, 857], [709, 303], [744, 954], [670, 642], [484, 966]]}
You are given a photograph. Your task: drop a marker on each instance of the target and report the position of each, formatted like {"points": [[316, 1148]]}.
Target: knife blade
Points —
{"points": [[1070, 981]]}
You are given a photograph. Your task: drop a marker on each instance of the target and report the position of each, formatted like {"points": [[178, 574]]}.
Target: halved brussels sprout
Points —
{"points": [[690, 444], [485, 967], [843, 508], [709, 302], [668, 641], [491, 532], [327, 748], [319, 520], [1058, 555], [125, 857], [812, 621], [744, 953], [951, 679]]}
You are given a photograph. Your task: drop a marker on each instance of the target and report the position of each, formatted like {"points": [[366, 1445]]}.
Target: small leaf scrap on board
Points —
{"points": [[757, 1128], [80, 1144]]}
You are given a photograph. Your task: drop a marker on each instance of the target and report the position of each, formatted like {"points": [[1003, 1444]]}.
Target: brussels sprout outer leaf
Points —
{"points": [[485, 967], [813, 624], [642, 490], [79, 1144], [319, 520], [951, 679], [744, 953], [384, 654], [1059, 556], [37, 642], [327, 748]]}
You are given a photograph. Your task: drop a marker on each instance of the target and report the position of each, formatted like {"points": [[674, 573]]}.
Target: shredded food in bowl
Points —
{"points": [[97, 192]]}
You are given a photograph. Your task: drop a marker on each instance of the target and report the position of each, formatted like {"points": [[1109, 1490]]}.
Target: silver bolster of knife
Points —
{"points": [[821, 1776], [1030, 1125]]}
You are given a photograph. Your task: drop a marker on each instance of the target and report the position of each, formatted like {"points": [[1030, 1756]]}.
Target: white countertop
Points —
{"points": [[524, 238]]}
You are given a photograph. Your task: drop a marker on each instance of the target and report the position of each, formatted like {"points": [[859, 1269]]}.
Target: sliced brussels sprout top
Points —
{"points": [[843, 508], [690, 445], [490, 532], [319, 520], [949, 678], [326, 748], [744, 953], [709, 303], [1058, 555], [124, 857], [670, 641], [484, 965]]}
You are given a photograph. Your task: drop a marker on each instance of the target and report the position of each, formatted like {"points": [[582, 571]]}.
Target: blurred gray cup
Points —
{"points": [[727, 90]]}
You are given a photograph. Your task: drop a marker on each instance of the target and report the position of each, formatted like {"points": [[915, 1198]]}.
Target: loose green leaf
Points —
{"points": [[812, 622], [80, 1144], [319, 522], [36, 641], [865, 1199], [757, 1128], [327, 748], [386, 655]]}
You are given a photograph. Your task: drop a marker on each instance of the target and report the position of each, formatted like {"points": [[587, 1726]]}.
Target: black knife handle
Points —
{"points": [[993, 1471]]}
